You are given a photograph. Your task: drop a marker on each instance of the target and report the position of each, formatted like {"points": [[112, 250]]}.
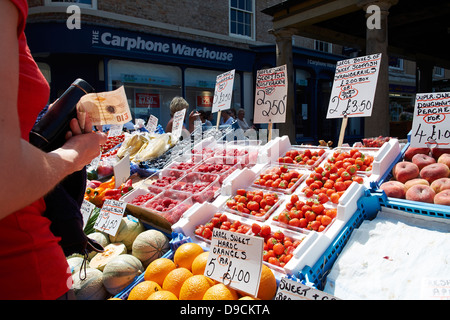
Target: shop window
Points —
{"points": [[200, 85], [303, 112], [242, 16], [395, 63], [149, 87], [438, 71], [82, 3], [323, 46]]}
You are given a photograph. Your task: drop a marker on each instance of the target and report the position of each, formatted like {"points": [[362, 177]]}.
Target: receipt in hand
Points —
{"points": [[106, 107]]}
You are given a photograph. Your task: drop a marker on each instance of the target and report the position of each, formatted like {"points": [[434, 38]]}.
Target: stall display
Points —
{"points": [[312, 204]]}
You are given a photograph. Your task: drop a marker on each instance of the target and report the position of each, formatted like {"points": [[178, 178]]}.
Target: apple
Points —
{"points": [[411, 152], [445, 159], [394, 189], [413, 182], [437, 152], [405, 170], [421, 193], [434, 171], [443, 198], [422, 160], [440, 184]]}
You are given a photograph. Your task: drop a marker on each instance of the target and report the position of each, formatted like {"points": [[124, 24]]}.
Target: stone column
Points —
{"points": [[377, 42], [284, 57], [424, 76]]}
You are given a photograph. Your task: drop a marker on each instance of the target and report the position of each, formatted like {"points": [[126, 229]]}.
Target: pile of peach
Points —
{"points": [[423, 176]]}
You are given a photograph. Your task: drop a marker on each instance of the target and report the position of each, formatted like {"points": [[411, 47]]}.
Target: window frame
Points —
{"points": [[66, 3], [252, 21]]}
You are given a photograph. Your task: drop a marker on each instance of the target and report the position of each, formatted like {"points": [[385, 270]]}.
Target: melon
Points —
{"points": [[150, 245], [91, 287], [128, 230], [112, 250], [120, 272], [101, 238], [75, 262]]}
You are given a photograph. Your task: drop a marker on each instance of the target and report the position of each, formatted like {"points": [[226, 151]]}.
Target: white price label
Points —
{"points": [[223, 92], [235, 260], [292, 290], [86, 210], [271, 95], [353, 91], [110, 216], [431, 123], [121, 171], [152, 123], [115, 130], [178, 119]]}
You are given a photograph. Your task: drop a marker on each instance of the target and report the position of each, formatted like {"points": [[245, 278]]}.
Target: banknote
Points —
{"points": [[110, 107]]}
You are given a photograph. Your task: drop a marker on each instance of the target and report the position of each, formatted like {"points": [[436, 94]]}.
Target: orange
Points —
{"points": [[186, 253], [267, 284], [248, 298], [162, 295], [143, 290], [194, 287], [220, 292], [158, 269], [199, 263], [175, 279]]}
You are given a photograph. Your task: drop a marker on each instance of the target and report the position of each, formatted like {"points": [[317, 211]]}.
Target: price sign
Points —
{"points": [[86, 210], [292, 290], [271, 95], [121, 171], [115, 130], [223, 91], [152, 123], [236, 260], [431, 121], [110, 215], [178, 119], [355, 81]]}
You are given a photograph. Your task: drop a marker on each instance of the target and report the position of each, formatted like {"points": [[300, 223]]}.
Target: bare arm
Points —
{"points": [[26, 172]]}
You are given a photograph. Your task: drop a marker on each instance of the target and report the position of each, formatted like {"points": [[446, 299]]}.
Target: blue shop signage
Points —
{"points": [[56, 38]]}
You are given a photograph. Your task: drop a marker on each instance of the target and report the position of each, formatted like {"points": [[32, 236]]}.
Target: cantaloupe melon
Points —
{"points": [[150, 245], [128, 230], [91, 287], [75, 262], [120, 272], [101, 238], [112, 250]]}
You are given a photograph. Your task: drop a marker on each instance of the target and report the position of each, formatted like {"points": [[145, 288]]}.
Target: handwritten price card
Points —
{"points": [[110, 216], [236, 260], [431, 121], [271, 95], [355, 81], [152, 123], [223, 93], [292, 290], [178, 119]]}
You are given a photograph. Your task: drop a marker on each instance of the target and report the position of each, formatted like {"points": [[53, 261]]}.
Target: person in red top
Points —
{"points": [[32, 263]]}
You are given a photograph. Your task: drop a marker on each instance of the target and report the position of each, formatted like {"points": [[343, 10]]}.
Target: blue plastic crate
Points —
{"points": [[368, 207]]}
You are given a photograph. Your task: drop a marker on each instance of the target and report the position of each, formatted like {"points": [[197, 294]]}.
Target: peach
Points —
{"points": [[443, 198], [411, 152], [394, 189], [440, 184], [422, 160], [413, 182], [445, 159], [405, 170], [421, 193], [437, 152], [434, 171]]}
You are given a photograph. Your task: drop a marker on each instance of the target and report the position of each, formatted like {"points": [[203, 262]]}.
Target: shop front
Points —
{"points": [[153, 69]]}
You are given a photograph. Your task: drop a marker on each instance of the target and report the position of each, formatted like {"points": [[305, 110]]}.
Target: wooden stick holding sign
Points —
{"points": [[223, 93], [341, 135], [271, 96]]}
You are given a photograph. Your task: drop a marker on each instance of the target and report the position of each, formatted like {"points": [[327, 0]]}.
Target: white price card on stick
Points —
{"points": [[110, 216], [152, 123], [223, 92], [235, 260], [289, 289], [353, 91], [271, 95], [177, 124], [86, 210], [121, 171], [431, 120], [115, 130]]}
